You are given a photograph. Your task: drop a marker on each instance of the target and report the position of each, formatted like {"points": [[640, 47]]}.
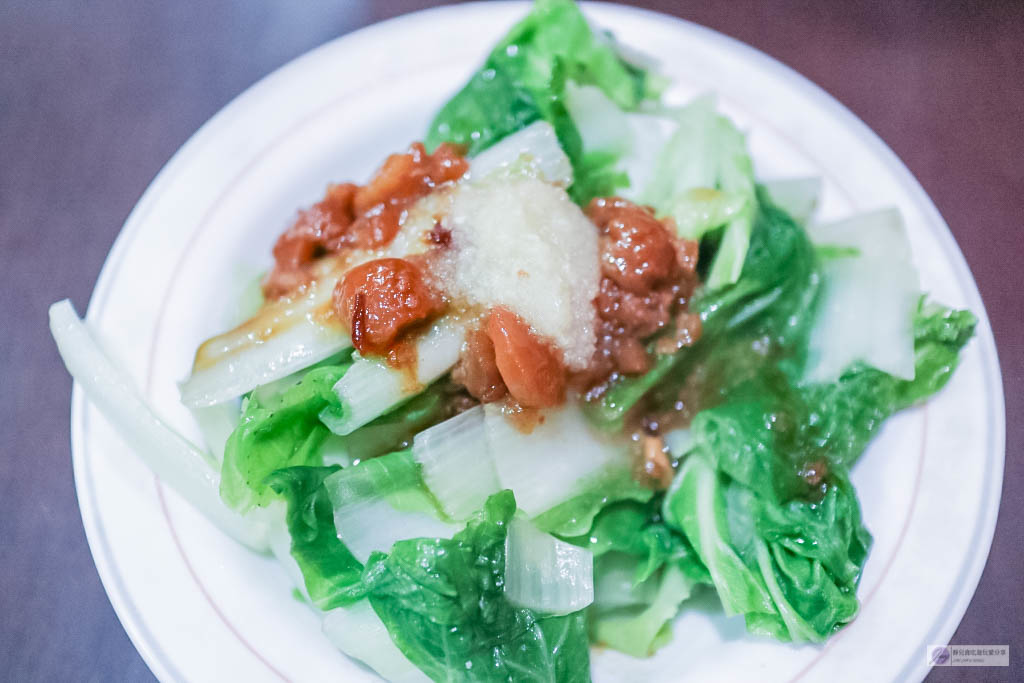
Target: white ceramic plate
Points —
{"points": [[200, 608]]}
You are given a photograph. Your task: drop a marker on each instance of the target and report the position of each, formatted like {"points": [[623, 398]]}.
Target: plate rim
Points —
{"points": [[972, 569]]}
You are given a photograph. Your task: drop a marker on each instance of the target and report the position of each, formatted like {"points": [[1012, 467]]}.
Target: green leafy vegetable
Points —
{"points": [[767, 312], [640, 631], [524, 79], [637, 529], [707, 152], [643, 570], [394, 430], [791, 569], [576, 515], [842, 417], [383, 500], [443, 603], [332, 575], [596, 175], [764, 495], [280, 431]]}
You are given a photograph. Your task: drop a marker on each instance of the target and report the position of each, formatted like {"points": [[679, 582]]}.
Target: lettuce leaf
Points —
{"points": [[395, 430], [764, 495], [767, 312], [641, 630], [707, 152], [332, 574], [443, 603], [276, 432], [791, 569], [524, 79], [637, 529], [849, 412], [643, 570], [576, 515]]}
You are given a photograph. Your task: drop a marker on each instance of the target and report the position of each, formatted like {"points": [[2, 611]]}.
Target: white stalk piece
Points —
{"points": [[215, 424], [182, 466], [286, 336], [533, 151], [796, 196], [555, 461], [358, 632], [545, 574], [456, 463], [603, 127], [371, 387], [870, 295], [375, 507], [471, 456]]}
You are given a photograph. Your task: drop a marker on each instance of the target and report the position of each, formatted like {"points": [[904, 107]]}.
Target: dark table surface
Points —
{"points": [[95, 97]]}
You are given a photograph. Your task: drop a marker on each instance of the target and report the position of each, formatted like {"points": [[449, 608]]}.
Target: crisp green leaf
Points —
{"points": [[842, 417], [764, 497], [333, 577], [524, 79], [706, 153], [637, 529], [641, 630], [576, 515], [596, 176], [696, 506], [443, 603], [810, 555], [280, 431]]}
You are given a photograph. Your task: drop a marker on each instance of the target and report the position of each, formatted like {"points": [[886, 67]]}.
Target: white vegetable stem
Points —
{"points": [[796, 196], [371, 387], [532, 151], [285, 337], [867, 308], [172, 458], [375, 506], [358, 632], [216, 424], [472, 456], [544, 573], [456, 463], [553, 462], [603, 127]]}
